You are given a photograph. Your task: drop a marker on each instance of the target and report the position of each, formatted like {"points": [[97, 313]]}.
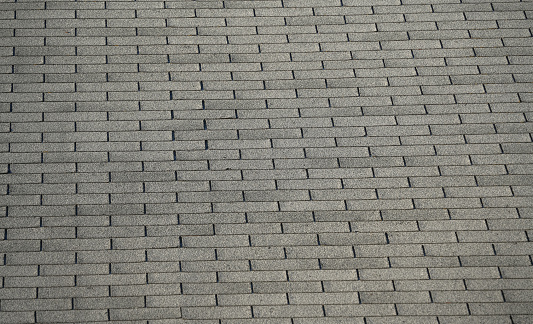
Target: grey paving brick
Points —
{"points": [[165, 301], [351, 238], [336, 264], [21, 271], [73, 269], [478, 192], [476, 319], [433, 285], [73, 292], [451, 249], [253, 276], [505, 260], [359, 310], [252, 299], [521, 318], [375, 183], [453, 224], [109, 302], [287, 311], [399, 319], [413, 214], [512, 249], [388, 250], [215, 288], [408, 262], [515, 272], [427, 237], [144, 313], [296, 286], [394, 297], [433, 309], [285, 264], [257, 320], [337, 152], [34, 282], [358, 285], [500, 308], [70, 315], [436, 160], [319, 252], [463, 129]]}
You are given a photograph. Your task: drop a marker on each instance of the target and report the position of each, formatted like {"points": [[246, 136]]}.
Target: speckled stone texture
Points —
{"points": [[268, 161]]}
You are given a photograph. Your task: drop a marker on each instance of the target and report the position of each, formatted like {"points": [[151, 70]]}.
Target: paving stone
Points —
{"points": [[349, 264], [322, 298], [399, 319], [433, 309], [70, 315], [408, 262], [505, 260], [359, 310], [475, 319], [394, 297]]}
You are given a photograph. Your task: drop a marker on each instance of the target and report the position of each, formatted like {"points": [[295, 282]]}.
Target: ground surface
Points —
{"points": [[283, 161]]}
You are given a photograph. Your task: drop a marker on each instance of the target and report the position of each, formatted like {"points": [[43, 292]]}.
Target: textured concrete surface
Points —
{"points": [[270, 161]]}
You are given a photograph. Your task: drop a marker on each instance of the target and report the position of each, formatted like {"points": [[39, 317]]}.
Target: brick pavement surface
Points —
{"points": [[269, 161]]}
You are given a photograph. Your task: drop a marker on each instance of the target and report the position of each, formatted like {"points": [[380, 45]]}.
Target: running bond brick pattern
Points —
{"points": [[268, 161]]}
